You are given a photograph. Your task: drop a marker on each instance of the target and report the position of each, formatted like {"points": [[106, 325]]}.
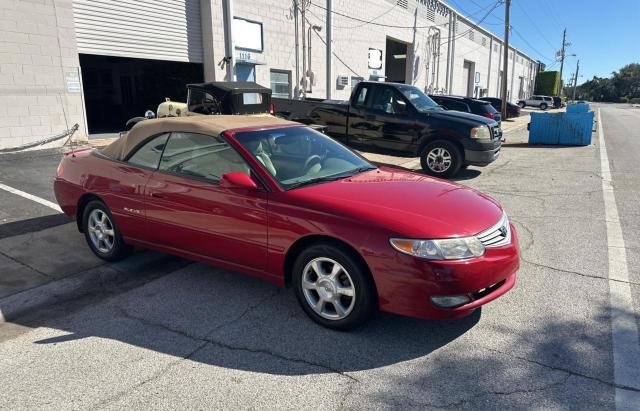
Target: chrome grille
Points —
{"points": [[498, 235]]}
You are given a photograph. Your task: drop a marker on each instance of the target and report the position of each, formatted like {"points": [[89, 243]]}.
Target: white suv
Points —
{"points": [[543, 102]]}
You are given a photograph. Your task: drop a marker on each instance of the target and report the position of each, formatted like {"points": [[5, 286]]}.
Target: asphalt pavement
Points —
{"points": [[157, 332]]}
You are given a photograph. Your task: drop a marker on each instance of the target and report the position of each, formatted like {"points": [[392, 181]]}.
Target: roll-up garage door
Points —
{"points": [[146, 29]]}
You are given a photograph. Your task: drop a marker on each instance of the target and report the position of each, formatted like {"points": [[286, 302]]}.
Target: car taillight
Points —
{"points": [[272, 109], [489, 115]]}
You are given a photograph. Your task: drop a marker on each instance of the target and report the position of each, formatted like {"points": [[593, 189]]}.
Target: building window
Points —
{"points": [[280, 83]]}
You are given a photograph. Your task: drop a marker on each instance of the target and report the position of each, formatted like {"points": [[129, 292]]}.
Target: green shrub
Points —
{"points": [[634, 100], [547, 83], [623, 100]]}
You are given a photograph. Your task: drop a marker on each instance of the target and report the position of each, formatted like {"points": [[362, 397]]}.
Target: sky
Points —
{"points": [[604, 35]]}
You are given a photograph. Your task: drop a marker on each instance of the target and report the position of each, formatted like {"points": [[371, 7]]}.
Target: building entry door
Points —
{"points": [[245, 72]]}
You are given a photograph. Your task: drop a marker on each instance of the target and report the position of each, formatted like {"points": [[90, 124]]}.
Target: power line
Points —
{"points": [[333, 52], [535, 25], [373, 23], [521, 36], [529, 44]]}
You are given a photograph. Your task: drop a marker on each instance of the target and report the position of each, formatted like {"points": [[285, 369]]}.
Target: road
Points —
{"points": [[173, 334]]}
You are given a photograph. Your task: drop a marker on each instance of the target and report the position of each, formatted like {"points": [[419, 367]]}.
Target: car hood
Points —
{"points": [[405, 203], [472, 120]]}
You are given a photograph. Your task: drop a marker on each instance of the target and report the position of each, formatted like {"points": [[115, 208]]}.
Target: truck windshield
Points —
{"points": [[420, 101], [300, 156]]}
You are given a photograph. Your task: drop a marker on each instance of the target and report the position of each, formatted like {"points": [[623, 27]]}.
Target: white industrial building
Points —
{"points": [[100, 62]]}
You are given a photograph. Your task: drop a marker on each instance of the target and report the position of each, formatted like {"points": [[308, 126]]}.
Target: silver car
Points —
{"points": [[542, 102]]}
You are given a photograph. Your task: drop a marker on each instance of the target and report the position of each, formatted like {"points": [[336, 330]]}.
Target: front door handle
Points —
{"points": [[157, 195]]}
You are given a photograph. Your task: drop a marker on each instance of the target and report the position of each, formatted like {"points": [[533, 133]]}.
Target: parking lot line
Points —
{"points": [[624, 328], [31, 197]]}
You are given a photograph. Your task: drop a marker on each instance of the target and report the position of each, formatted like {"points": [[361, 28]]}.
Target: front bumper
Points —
{"points": [[482, 152], [408, 283]]}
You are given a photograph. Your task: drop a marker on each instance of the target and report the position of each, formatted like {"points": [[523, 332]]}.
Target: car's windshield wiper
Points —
{"points": [[361, 170], [331, 177]]}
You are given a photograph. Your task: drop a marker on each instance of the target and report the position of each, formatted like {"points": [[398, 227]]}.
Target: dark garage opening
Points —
{"points": [[118, 88], [396, 61]]}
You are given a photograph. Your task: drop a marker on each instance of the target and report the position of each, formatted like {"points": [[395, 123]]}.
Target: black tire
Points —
{"points": [[365, 302], [543, 106], [522, 104], [119, 248], [454, 153]]}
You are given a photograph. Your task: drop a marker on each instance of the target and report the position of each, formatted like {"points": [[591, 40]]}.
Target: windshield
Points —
{"points": [[299, 156], [420, 101]]}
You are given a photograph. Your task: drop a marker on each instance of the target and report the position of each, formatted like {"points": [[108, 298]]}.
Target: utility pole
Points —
{"points": [[505, 63], [575, 81], [296, 90], [329, 49], [564, 44]]}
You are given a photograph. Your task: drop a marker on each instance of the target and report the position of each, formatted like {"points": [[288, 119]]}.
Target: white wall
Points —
{"points": [[37, 53]]}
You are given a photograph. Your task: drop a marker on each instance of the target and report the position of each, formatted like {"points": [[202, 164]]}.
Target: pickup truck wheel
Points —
{"points": [[333, 287], [522, 104], [543, 106], [441, 158]]}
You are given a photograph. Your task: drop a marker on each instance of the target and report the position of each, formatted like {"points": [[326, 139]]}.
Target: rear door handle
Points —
{"points": [[157, 195]]}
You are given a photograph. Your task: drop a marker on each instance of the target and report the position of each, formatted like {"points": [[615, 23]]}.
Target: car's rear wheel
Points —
{"points": [[333, 287], [441, 158], [543, 106], [102, 234], [522, 104]]}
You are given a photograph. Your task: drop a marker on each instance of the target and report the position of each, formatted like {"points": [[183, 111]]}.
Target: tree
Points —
{"points": [[627, 81], [623, 85]]}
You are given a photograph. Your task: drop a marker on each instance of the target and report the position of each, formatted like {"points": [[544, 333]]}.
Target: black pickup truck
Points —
{"points": [[400, 119]]}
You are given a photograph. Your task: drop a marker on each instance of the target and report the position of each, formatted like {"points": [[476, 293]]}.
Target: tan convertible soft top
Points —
{"points": [[211, 125]]}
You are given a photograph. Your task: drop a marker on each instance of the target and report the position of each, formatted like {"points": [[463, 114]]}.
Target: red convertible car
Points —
{"points": [[282, 202]]}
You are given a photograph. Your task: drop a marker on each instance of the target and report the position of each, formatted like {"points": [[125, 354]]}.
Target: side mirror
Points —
{"points": [[238, 180], [149, 114]]}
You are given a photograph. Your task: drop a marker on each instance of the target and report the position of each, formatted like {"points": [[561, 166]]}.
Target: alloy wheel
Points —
{"points": [[439, 160], [328, 288], [101, 231]]}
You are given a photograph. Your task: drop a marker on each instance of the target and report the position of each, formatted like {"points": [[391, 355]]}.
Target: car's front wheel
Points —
{"points": [[522, 104], [333, 287], [441, 158], [102, 234]]}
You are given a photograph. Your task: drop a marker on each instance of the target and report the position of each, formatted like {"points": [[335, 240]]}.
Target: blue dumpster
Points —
{"points": [[578, 108], [545, 128], [561, 128]]}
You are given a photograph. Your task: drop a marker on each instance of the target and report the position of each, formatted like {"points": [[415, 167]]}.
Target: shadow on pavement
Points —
{"points": [[230, 320]]}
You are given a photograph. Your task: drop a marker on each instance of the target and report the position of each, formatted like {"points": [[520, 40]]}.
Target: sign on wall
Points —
{"points": [[247, 34], [73, 82], [375, 59]]}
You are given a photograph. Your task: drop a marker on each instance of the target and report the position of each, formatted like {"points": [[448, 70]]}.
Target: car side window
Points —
{"points": [[386, 99], [201, 156], [456, 105], [361, 99], [148, 155]]}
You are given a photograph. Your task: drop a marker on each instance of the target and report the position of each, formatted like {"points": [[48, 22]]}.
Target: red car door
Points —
{"points": [[187, 209], [122, 189]]}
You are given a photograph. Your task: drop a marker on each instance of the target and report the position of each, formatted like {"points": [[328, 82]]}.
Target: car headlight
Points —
{"points": [[480, 132], [445, 249]]}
